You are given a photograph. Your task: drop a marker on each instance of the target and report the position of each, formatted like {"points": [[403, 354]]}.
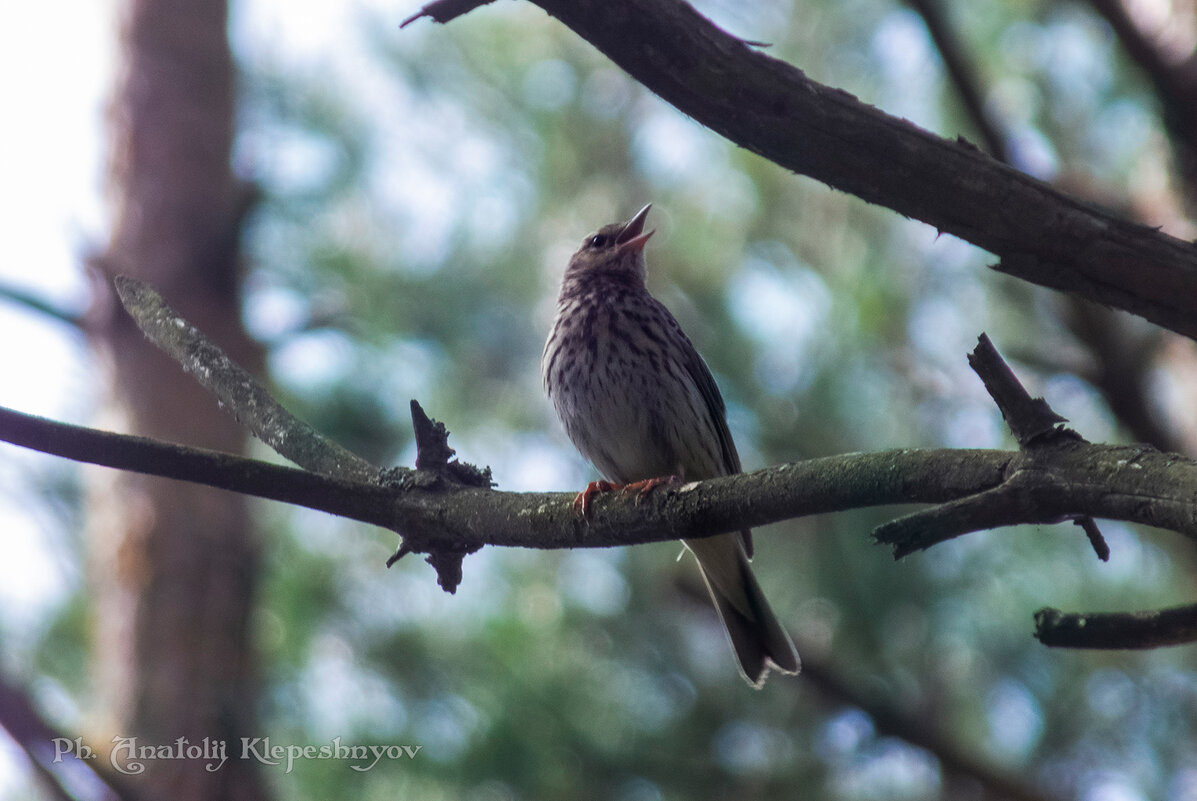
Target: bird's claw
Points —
{"points": [[583, 500], [647, 485]]}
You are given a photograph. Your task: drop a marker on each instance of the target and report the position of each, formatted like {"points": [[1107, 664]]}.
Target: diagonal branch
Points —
{"points": [[963, 75], [236, 388], [431, 512], [1173, 75], [60, 769], [772, 108]]}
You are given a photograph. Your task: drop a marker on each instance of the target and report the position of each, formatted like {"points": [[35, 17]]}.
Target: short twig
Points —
{"points": [[1100, 546], [435, 457], [1027, 417]]}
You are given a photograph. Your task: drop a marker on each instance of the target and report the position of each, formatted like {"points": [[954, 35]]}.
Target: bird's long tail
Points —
{"points": [[756, 636]]}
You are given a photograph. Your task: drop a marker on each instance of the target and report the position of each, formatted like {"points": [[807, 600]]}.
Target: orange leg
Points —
{"points": [[647, 484], [582, 502]]}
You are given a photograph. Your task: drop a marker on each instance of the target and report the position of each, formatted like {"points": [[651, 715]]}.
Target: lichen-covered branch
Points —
{"points": [[233, 386]]}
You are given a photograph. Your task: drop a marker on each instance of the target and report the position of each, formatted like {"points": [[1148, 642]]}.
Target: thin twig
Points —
{"points": [[21, 296], [1029, 418], [444, 10], [963, 74]]}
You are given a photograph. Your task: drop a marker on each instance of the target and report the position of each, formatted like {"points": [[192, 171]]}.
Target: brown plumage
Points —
{"points": [[640, 403]]}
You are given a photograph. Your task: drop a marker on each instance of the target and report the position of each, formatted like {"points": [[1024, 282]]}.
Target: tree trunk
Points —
{"points": [[175, 565]]}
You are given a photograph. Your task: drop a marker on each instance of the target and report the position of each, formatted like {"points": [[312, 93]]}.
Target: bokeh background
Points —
{"points": [[420, 193]]}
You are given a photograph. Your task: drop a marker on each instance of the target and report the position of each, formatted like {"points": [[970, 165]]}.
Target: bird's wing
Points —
{"points": [[717, 413]]}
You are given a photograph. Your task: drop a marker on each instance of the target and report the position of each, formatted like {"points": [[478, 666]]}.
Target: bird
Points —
{"points": [[638, 401]]}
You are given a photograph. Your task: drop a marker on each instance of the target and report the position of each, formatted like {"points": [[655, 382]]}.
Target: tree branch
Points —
{"points": [[1025, 496], [1117, 630], [447, 510], [236, 388], [21, 296], [1174, 78], [962, 74], [20, 718], [771, 108], [1110, 481], [431, 512]]}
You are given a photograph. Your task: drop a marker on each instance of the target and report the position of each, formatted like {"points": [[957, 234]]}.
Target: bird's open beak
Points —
{"points": [[631, 236]]}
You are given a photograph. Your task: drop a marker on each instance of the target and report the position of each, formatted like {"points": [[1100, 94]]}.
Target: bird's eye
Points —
{"points": [[598, 241]]}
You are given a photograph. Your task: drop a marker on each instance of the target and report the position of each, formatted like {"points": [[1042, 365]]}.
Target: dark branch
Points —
{"points": [[1117, 630], [433, 513], [1175, 80], [1094, 535], [20, 718], [1018, 500], [771, 108], [23, 297], [1118, 482], [444, 10], [1029, 418], [197, 465]]}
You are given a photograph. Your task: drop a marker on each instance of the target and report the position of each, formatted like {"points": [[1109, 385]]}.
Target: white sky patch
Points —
{"points": [[59, 60]]}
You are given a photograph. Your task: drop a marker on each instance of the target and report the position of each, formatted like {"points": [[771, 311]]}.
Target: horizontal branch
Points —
{"points": [[432, 511], [1117, 630], [1116, 482], [771, 108], [447, 509]]}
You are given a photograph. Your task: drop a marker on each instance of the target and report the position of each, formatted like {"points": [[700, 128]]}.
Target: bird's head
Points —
{"points": [[616, 249]]}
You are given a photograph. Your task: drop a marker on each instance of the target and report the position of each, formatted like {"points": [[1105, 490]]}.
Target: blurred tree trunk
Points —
{"points": [[175, 565]]}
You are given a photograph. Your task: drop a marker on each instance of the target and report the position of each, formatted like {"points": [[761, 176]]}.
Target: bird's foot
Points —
{"points": [[582, 502], [639, 488], [647, 485]]}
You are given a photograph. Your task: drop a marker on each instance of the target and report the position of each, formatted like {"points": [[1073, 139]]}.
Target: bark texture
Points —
{"points": [[174, 564]]}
